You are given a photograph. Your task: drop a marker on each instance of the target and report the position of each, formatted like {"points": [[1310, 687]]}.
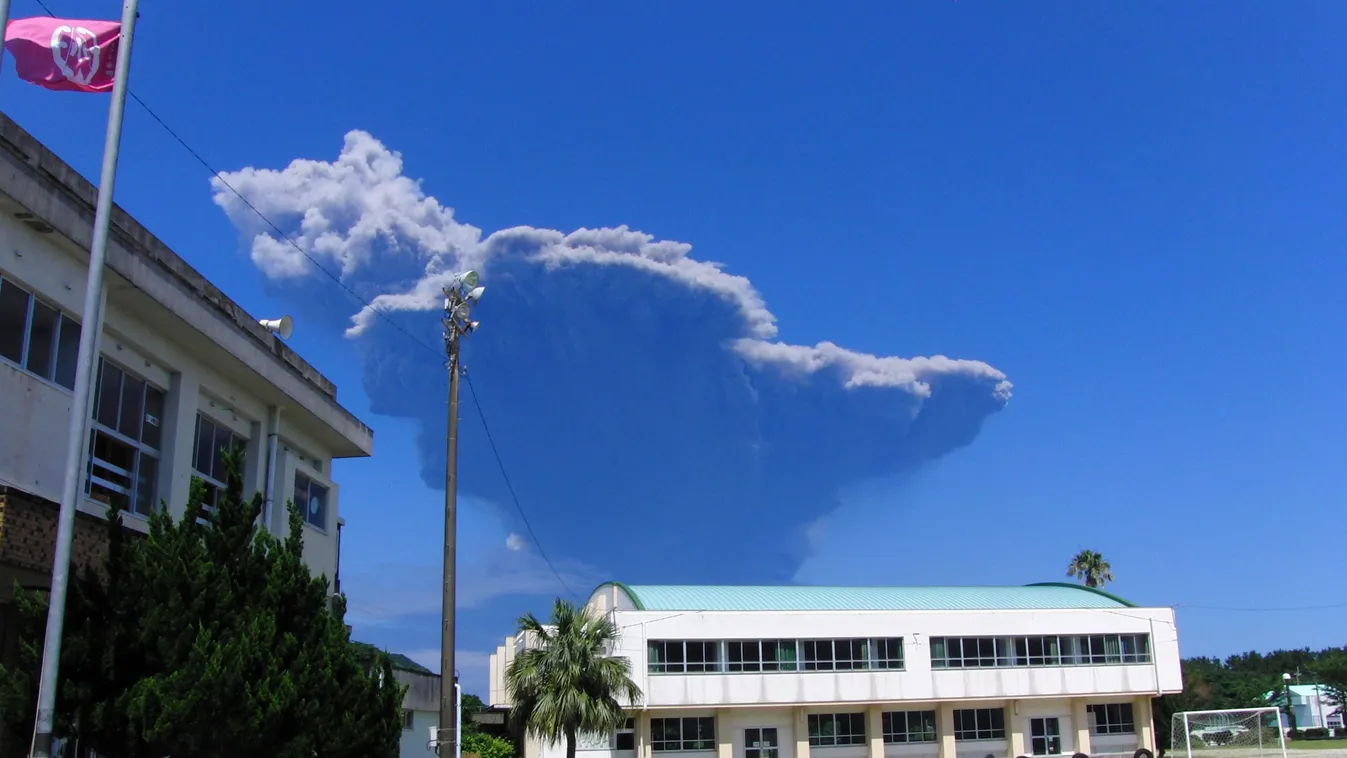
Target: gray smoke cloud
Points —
{"points": [[653, 419]]}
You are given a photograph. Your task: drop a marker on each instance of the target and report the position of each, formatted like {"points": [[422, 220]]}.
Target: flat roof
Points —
{"points": [[1045, 596]]}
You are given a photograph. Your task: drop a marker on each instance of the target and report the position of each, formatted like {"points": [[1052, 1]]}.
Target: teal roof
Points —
{"points": [[1050, 595]]}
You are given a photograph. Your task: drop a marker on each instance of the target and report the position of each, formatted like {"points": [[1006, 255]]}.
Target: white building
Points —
{"points": [[878, 672], [184, 372], [420, 706], [1313, 704]]}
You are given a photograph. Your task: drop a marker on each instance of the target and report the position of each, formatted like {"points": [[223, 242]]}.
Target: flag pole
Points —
{"points": [[4, 26], [76, 446]]}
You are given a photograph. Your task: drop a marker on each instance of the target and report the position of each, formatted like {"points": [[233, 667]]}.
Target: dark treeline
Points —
{"points": [[1244, 680]]}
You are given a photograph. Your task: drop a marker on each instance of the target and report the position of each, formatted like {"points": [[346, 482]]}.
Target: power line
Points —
{"points": [[355, 296], [510, 486], [1263, 610]]}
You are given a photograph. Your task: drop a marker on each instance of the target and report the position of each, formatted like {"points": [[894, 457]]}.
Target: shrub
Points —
{"points": [[486, 746]]}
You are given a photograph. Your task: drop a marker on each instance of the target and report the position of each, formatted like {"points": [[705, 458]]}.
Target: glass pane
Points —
{"points": [[205, 435], [42, 340], [133, 407], [147, 474], [152, 433], [13, 320], [109, 395], [301, 497], [316, 513], [223, 438], [67, 353]]}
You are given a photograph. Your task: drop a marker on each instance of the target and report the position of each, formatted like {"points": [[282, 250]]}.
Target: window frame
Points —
{"points": [[843, 729], [214, 485], [1040, 651], [699, 742], [408, 719], [141, 450], [1101, 719], [889, 723], [314, 481], [714, 663], [65, 324], [979, 732], [776, 655]]}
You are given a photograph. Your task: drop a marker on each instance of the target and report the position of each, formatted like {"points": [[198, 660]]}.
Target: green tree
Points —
{"points": [[486, 745], [566, 682], [1091, 568], [211, 640], [1331, 672]]}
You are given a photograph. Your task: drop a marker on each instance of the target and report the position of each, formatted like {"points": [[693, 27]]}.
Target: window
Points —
{"points": [[692, 733], [1112, 718], [1054, 650], [679, 656], [213, 441], [37, 337], [888, 653], [408, 720], [980, 724], [834, 729], [625, 738], [311, 498], [761, 742], [125, 440], [1045, 736], [847, 654], [1136, 648], [963, 652], [901, 727], [760, 655]]}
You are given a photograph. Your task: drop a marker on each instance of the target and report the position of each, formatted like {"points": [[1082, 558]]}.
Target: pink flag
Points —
{"points": [[64, 54]]}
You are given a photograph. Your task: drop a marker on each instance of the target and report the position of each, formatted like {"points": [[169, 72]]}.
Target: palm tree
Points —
{"points": [[1091, 568], [566, 682]]}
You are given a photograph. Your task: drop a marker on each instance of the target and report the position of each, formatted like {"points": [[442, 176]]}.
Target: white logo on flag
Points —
{"points": [[76, 52]]}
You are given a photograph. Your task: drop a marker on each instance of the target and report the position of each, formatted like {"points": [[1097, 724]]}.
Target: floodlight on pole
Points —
{"points": [[459, 299]]}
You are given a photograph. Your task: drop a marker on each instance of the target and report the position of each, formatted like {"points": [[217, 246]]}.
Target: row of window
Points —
{"points": [[1050, 650], [742, 656], [748, 656], [692, 733], [126, 438]]}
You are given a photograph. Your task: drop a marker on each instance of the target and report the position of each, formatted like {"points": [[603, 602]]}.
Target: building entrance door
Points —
{"points": [[761, 742], [1045, 736]]}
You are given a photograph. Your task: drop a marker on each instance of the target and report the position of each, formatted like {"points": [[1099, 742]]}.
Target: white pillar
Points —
{"points": [[178, 435], [948, 748], [724, 735], [874, 728]]}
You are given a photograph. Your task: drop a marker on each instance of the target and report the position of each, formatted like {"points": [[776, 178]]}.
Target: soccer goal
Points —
{"points": [[1241, 733]]}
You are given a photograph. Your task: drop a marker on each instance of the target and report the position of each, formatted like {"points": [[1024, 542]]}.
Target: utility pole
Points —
{"points": [[458, 301]]}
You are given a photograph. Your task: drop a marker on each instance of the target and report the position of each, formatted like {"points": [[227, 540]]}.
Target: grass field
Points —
{"points": [[1318, 745]]}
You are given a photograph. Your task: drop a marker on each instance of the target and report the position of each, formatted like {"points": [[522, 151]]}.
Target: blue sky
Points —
{"points": [[1130, 211]]}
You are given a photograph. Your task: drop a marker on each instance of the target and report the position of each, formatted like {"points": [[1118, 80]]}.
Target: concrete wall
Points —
{"points": [[416, 739], [168, 326], [423, 700]]}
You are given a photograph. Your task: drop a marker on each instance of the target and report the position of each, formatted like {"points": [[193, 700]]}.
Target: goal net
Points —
{"points": [[1243, 733]]}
